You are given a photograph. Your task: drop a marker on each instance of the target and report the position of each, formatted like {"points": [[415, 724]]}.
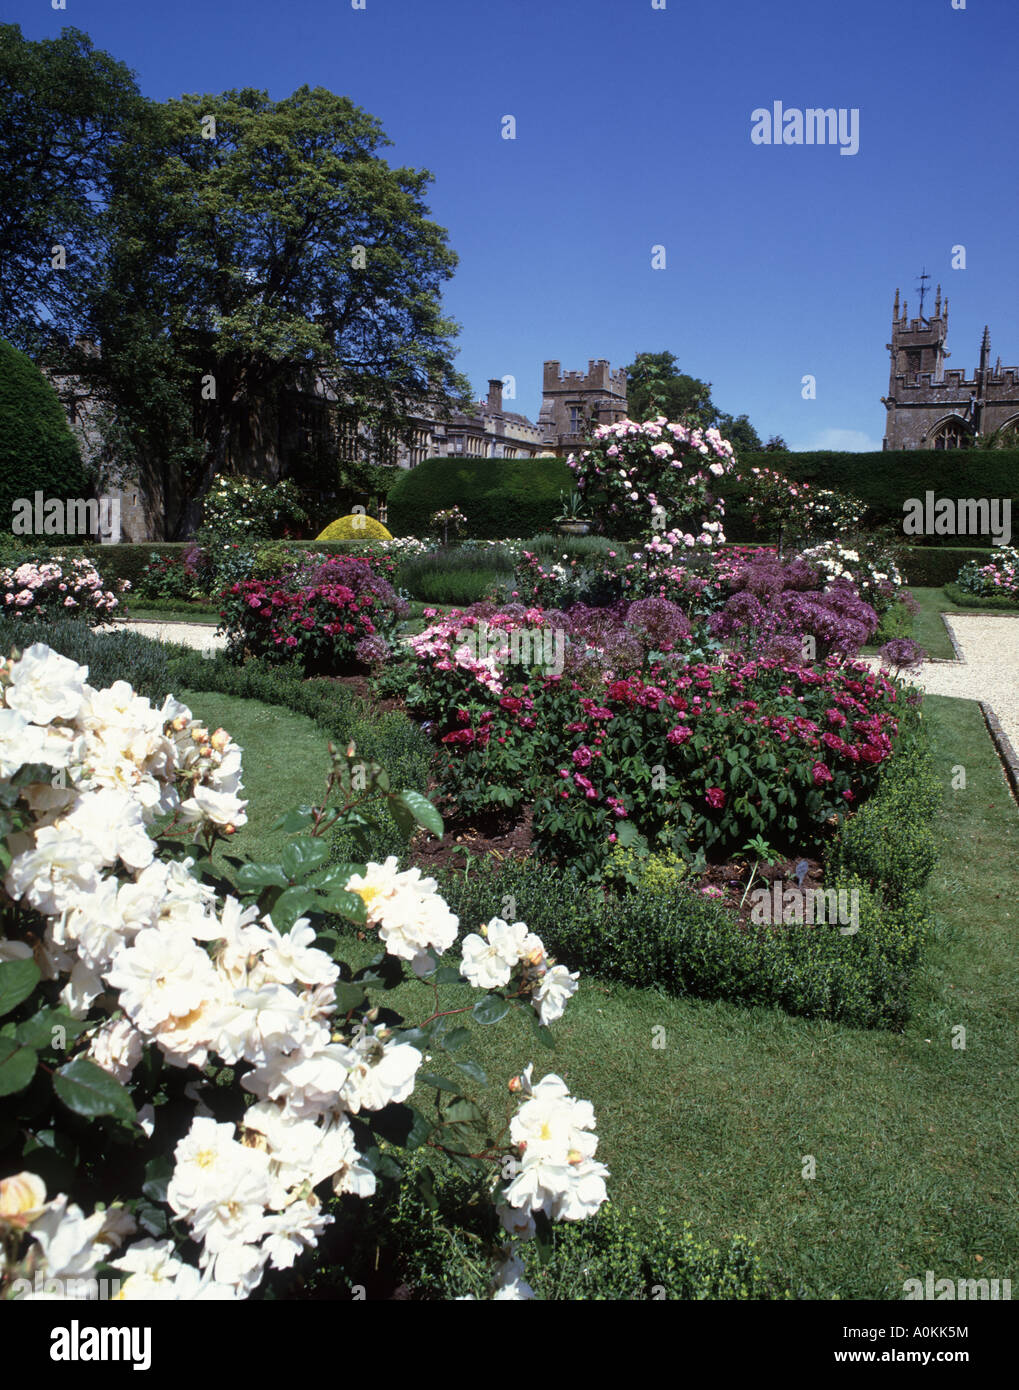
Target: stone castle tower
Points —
{"points": [[931, 408], [573, 402]]}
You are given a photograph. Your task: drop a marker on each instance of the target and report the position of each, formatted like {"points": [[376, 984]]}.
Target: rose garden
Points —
{"points": [[448, 929]]}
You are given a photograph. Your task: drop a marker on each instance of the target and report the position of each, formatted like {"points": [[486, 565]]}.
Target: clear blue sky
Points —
{"points": [[633, 130]]}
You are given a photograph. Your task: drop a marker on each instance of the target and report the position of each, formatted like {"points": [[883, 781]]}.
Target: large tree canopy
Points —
{"points": [[256, 249], [65, 110]]}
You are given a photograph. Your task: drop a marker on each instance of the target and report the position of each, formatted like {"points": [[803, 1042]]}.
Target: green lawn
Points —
{"points": [[914, 1140]]}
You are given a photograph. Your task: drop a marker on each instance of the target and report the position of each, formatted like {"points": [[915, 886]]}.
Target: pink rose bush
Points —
{"points": [[653, 477], [234, 1067], [48, 590]]}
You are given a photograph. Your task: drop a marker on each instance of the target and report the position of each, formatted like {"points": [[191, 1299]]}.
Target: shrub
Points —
{"points": [[930, 567], [183, 575], [890, 841], [455, 574], [963, 599], [427, 1247], [316, 613], [998, 577], [885, 480], [57, 587], [634, 475], [244, 509], [38, 452], [357, 527], [498, 496], [687, 944]]}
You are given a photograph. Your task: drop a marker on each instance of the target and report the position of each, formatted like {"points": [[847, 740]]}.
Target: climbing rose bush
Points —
{"points": [[232, 1066], [656, 477]]}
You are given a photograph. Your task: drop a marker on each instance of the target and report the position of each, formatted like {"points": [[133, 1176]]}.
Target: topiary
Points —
{"points": [[38, 452], [355, 528]]}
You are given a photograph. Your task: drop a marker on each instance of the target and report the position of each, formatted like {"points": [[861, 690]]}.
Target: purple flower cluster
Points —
{"points": [[775, 620]]}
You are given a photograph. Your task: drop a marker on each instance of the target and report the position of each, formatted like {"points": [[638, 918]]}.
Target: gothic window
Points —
{"points": [[951, 434], [914, 357]]}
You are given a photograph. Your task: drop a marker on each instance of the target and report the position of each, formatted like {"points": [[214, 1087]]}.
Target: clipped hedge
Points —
{"points": [[931, 567], [886, 479], [427, 1248], [500, 497], [962, 598], [38, 452]]}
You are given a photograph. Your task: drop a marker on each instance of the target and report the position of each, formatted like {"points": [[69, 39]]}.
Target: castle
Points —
{"points": [[931, 408]]}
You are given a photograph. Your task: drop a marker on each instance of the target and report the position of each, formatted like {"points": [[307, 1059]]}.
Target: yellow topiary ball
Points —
{"points": [[357, 527]]}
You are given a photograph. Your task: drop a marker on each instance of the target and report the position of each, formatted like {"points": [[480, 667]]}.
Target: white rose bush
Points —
{"points": [[180, 1035]]}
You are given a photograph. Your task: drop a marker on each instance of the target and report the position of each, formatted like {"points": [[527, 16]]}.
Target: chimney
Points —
{"points": [[495, 396]]}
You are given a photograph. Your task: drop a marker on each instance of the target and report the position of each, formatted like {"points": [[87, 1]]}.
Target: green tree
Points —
{"points": [[655, 385], [262, 254], [66, 110], [37, 448]]}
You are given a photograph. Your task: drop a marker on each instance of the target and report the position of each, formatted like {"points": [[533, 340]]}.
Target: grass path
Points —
{"points": [[914, 1139]]}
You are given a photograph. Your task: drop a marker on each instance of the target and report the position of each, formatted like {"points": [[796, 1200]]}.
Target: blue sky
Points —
{"points": [[633, 131]]}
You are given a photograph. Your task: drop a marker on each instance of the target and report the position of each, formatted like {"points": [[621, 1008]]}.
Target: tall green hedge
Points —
{"points": [[886, 480], [499, 497], [38, 452]]}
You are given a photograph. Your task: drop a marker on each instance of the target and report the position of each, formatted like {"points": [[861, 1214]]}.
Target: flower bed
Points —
{"points": [[321, 613], [55, 588]]}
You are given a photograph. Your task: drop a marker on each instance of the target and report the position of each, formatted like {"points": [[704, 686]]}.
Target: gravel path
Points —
{"points": [[201, 636], [988, 670]]}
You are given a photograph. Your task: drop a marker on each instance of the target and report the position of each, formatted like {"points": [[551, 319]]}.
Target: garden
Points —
{"points": [[579, 914]]}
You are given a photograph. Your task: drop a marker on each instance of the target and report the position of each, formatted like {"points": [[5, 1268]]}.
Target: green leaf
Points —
{"points": [[472, 1070], [348, 996], [490, 1009], [250, 877], [439, 1082], [464, 1112], [447, 975], [158, 1172], [426, 1187], [455, 1038], [17, 1066], [290, 905], [88, 1090], [345, 904], [37, 1031], [18, 978], [409, 807], [295, 821], [303, 857]]}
